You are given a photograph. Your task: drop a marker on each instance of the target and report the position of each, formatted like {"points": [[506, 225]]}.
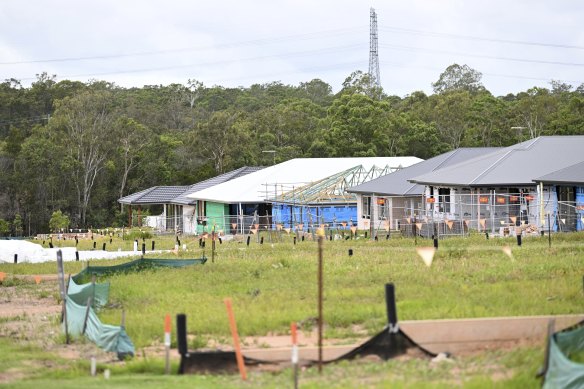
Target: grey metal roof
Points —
{"points": [[177, 194], [573, 174], [154, 195], [397, 184], [184, 200], [516, 165]]}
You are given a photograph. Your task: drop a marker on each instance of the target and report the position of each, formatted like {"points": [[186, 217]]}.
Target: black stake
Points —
{"points": [[391, 307], [519, 239]]}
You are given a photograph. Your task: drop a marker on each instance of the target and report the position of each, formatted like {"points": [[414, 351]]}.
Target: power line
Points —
{"points": [[478, 38], [256, 42], [423, 49], [215, 63], [513, 76]]}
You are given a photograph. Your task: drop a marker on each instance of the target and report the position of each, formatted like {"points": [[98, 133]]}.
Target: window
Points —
{"points": [[444, 199], [366, 207]]}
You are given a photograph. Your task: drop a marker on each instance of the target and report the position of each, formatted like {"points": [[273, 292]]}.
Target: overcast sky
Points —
{"points": [[515, 44]]}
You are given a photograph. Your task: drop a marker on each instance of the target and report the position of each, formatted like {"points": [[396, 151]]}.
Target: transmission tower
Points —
{"points": [[373, 50]]}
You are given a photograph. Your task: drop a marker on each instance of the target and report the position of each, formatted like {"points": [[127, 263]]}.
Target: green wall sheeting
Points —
{"points": [[215, 214]]}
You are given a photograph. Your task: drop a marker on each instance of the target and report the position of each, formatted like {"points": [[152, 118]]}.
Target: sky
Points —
{"points": [[516, 45]]}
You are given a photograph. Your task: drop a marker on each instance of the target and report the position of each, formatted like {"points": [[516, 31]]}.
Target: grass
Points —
{"points": [[274, 284], [512, 369]]}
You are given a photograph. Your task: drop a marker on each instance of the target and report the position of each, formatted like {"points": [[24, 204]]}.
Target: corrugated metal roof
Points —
{"points": [[184, 200], [516, 165], [256, 187], [397, 184], [177, 194], [570, 175]]}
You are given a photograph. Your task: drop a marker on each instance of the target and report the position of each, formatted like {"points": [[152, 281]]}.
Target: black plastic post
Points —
{"points": [[436, 243], [519, 239], [15, 258], [303, 238], [143, 248], [391, 307], [111, 240], [51, 245], [294, 240], [94, 244], [248, 239], [201, 242], [262, 240], [376, 239], [350, 252], [487, 235], [181, 333], [365, 234], [77, 255], [178, 241], [103, 246], [76, 240], [220, 240], [153, 245]]}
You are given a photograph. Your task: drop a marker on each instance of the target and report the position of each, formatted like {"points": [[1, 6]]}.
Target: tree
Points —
{"points": [[132, 138], [4, 227], [17, 225], [86, 121], [533, 111], [450, 114], [357, 125], [457, 77], [488, 124], [59, 221], [361, 83], [215, 138]]}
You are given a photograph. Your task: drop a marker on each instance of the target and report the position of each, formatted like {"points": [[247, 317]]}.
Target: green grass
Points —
{"points": [[272, 285], [511, 369]]}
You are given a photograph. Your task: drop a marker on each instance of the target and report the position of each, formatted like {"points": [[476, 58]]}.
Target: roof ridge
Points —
{"points": [[503, 157], [452, 153]]}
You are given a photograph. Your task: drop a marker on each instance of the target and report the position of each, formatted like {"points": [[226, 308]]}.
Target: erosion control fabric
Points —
{"points": [[137, 265], [80, 294], [565, 349], [108, 337], [385, 345], [80, 317]]}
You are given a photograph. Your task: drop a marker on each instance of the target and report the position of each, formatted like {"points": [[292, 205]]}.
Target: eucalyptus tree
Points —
{"points": [[84, 123]]}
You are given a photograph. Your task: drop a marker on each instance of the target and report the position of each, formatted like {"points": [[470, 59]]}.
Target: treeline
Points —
{"points": [[78, 147]]}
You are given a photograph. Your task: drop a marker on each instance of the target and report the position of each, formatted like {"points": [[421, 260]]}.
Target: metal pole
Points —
{"points": [[320, 244]]}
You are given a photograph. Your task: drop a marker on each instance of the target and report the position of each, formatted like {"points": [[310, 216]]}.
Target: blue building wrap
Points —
{"points": [[580, 208], [289, 215]]}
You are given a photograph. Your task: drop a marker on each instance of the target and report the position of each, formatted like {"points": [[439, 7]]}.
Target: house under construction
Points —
{"points": [[325, 201]]}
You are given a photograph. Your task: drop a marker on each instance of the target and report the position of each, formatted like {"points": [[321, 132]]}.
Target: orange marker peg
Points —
{"points": [[2, 276], [37, 279], [233, 325]]}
